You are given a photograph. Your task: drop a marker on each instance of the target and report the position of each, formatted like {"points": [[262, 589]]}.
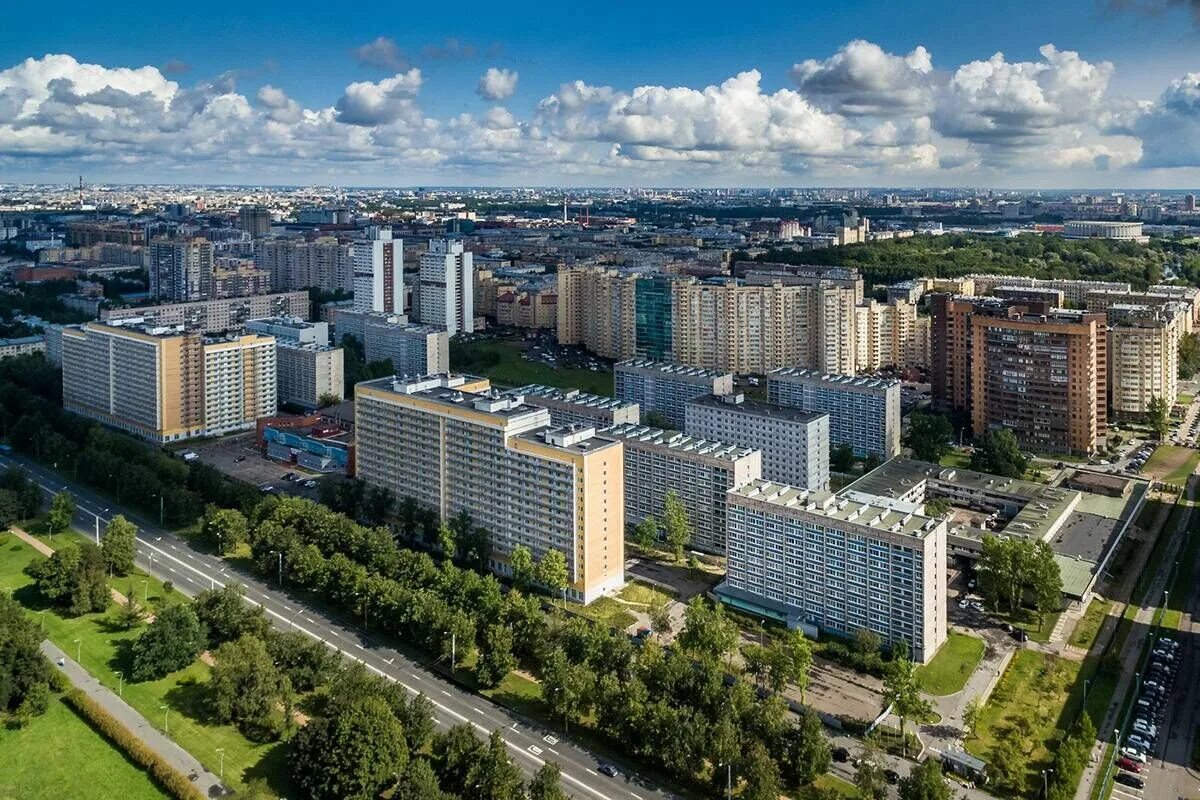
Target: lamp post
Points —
{"points": [[1046, 782], [221, 765], [97, 515], [145, 592], [166, 710], [120, 683], [78, 650], [280, 554]]}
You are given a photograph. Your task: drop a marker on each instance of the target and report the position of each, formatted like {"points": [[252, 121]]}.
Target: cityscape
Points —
{"points": [[693, 434]]}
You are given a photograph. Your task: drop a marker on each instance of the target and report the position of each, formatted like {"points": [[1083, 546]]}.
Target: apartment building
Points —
{"points": [[890, 335], [86, 234], [597, 310], [181, 271], [325, 263], [1075, 292], [863, 412], [659, 387], [794, 442], [699, 471], [529, 309], [1143, 355], [413, 349], [830, 563], [573, 407], [447, 287], [378, 271], [454, 445], [215, 316], [166, 384], [308, 369], [1158, 295], [24, 345], [255, 220], [238, 277]]}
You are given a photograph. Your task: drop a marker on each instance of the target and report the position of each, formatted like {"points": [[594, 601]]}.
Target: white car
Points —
{"points": [[1135, 753], [977, 605], [964, 603]]}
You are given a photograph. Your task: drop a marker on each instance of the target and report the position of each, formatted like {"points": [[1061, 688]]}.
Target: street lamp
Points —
{"points": [[161, 515], [453, 648], [166, 710], [728, 779], [1046, 782], [78, 650], [221, 767], [120, 683], [97, 514], [146, 590], [280, 554]]}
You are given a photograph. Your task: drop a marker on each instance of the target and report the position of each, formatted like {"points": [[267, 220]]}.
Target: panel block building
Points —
{"points": [[863, 412], [657, 386], [573, 407]]}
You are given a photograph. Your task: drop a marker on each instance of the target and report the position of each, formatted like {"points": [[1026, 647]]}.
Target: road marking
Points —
{"points": [[590, 772], [171, 569], [445, 693], [635, 794], [359, 646], [480, 711], [335, 633], [391, 661], [548, 739], [533, 748], [310, 619]]}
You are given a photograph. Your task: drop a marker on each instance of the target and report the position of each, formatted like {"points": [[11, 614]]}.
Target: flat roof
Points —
{"points": [[571, 396], [669, 369], [838, 507], [446, 390], [674, 440], [846, 381], [758, 408]]}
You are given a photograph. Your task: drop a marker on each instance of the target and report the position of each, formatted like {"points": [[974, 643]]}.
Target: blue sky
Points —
{"points": [[305, 53]]}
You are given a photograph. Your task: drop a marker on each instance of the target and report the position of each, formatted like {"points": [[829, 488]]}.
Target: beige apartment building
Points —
{"points": [[214, 316], [453, 444], [890, 334], [163, 384], [528, 309], [1143, 355], [296, 264], [597, 309]]}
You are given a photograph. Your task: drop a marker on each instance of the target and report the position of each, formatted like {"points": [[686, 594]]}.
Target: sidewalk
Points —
{"points": [[179, 758]]}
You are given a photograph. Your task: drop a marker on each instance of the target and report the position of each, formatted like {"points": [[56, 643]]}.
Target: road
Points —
{"points": [[168, 557]]}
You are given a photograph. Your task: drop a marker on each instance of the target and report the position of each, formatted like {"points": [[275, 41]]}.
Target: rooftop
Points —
{"points": [[738, 403], [875, 515], [848, 381], [573, 396], [667, 368], [678, 441]]}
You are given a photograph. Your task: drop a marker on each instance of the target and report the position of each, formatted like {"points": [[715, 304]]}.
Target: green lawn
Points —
{"points": [[1089, 624], [644, 594], [1184, 399], [952, 665], [1172, 464], [59, 755], [830, 783], [518, 693], [606, 611], [103, 651], [956, 459], [501, 361]]}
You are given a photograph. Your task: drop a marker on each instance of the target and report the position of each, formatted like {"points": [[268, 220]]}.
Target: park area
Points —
{"points": [[948, 671], [1171, 464], [501, 362]]}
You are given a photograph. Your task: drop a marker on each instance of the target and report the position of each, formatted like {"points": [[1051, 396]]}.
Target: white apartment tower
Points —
{"points": [[447, 286], [379, 272]]}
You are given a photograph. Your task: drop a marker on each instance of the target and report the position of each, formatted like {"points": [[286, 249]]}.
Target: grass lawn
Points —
{"points": [[1184, 399], [1027, 620], [606, 611], [644, 594], [1172, 464], [1027, 705], [829, 783], [519, 693], [957, 459], [952, 665], [104, 651], [501, 361], [59, 750], [1089, 624]]}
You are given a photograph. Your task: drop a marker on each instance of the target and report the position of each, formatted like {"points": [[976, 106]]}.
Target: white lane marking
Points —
{"points": [[533, 748], [480, 711], [310, 619], [359, 646], [548, 739], [445, 693], [590, 772]]}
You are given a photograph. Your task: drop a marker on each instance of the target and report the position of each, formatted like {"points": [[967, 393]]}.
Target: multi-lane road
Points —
{"points": [[168, 557]]}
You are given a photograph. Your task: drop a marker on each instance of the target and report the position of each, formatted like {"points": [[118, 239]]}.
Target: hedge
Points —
{"points": [[169, 778]]}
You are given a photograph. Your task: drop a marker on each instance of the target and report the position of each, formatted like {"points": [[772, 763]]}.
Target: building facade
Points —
{"points": [[863, 412], [308, 369], [454, 445], [215, 316], [378, 272], [413, 349], [596, 310], [659, 387], [181, 271], [794, 442], [255, 220], [1143, 356], [447, 287], [325, 263]]}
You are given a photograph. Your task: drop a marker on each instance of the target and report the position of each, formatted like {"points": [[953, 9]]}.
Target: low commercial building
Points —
{"points": [[829, 563], [573, 407], [215, 316], [663, 388], [453, 444], [794, 442], [699, 471], [863, 412], [22, 345]]}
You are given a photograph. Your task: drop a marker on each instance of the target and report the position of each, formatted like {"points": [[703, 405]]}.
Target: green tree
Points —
{"points": [[566, 687], [759, 774], [925, 782], [248, 690], [119, 545], [805, 750], [446, 540], [971, 714], [170, 643], [62, 511], [129, 614], [841, 458], [1046, 581], [789, 660], [937, 507], [352, 755], [551, 571], [867, 642], [496, 658], [494, 776], [675, 523], [868, 777], [521, 562], [224, 529], [928, 436], [902, 690], [998, 453], [1007, 765], [646, 532], [74, 578], [656, 419], [419, 782], [23, 668], [226, 616], [454, 753], [545, 783], [660, 619], [306, 662], [1189, 355], [1158, 416], [707, 632], [27, 493]]}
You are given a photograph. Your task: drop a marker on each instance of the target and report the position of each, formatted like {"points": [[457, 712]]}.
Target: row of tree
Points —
{"points": [[1012, 569], [24, 672]]}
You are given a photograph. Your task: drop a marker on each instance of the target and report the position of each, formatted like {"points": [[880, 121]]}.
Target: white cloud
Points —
{"points": [[1169, 129], [497, 84], [863, 79], [367, 103], [381, 53]]}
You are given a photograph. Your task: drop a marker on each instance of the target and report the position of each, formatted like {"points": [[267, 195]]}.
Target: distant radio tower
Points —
{"points": [[81, 193]]}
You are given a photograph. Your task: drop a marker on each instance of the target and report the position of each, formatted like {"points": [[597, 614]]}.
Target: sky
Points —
{"points": [[1070, 93]]}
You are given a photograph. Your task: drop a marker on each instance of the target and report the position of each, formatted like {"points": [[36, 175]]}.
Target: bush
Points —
{"points": [[170, 779]]}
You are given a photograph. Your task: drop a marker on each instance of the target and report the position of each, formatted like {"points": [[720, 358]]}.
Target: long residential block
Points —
{"points": [[863, 412], [657, 386], [573, 407], [215, 316]]}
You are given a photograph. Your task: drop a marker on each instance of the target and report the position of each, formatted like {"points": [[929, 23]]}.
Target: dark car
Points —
{"points": [[891, 776], [840, 754], [1020, 634], [1130, 780], [609, 770]]}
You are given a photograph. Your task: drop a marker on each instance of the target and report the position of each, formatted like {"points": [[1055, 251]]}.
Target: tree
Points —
{"points": [[1046, 579], [248, 690], [224, 529], [660, 619], [937, 507], [1000, 569], [521, 562], [805, 750], [1158, 416], [74, 578], [759, 774], [129, 614], [496, 658], [902, 690], [566, 687], [493, 776], [446, 540], [351, 755], [62, 511], [656, 419], [27, 493], [170, 643], [23, 668], [551, 571], [454, 753], [867, 642], [841, 458], [1189, 355], [928, 436], [226, 616], [971, 714], [868, 778], [545, 783], [707, 633], [416, 716], [306, 662], [1007, 764], [119, 545], [925, 782], [998, 453], [419, 783], [646, 532], [788, 661], [676, 525]]}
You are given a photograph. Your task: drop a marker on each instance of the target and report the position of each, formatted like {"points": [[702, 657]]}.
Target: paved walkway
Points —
{"points": [[153, 738]]}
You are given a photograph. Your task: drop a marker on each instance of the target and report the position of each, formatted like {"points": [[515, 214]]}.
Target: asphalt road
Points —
{"points": [[168, 557]]}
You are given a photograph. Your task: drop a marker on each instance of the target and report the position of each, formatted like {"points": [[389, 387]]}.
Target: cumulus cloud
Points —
{"points": [[280, 107], [367, 103], [176, 67], [863, 79], [381, 53], [1169, 129], [497, 84]]}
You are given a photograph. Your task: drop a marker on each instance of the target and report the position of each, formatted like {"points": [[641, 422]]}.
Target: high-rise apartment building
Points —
{"points": [[238, 277], [164, 384], [454, 445], [214, 316], [863, 412], [413, 349], [447, 287], [309, 371], [597, 309], [573, 407], [86, 234], [837, 563], [181, 271], [1143, 356], [378, 272], [654, 298], [325, 263], [700, 472], [659, 387], [890, 335], [1075, 292], [255, 220]]}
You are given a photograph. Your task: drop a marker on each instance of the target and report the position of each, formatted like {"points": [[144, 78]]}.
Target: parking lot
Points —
{"points": [[1142, 740], [237, 457]]}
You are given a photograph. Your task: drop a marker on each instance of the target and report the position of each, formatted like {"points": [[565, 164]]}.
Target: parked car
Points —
{"points": [[1135, 754], [1127, 763], [891, 776], [1020, 634], [840, 755], [1140, 742], [239, 459], [1130, 780], [609, 770]]}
